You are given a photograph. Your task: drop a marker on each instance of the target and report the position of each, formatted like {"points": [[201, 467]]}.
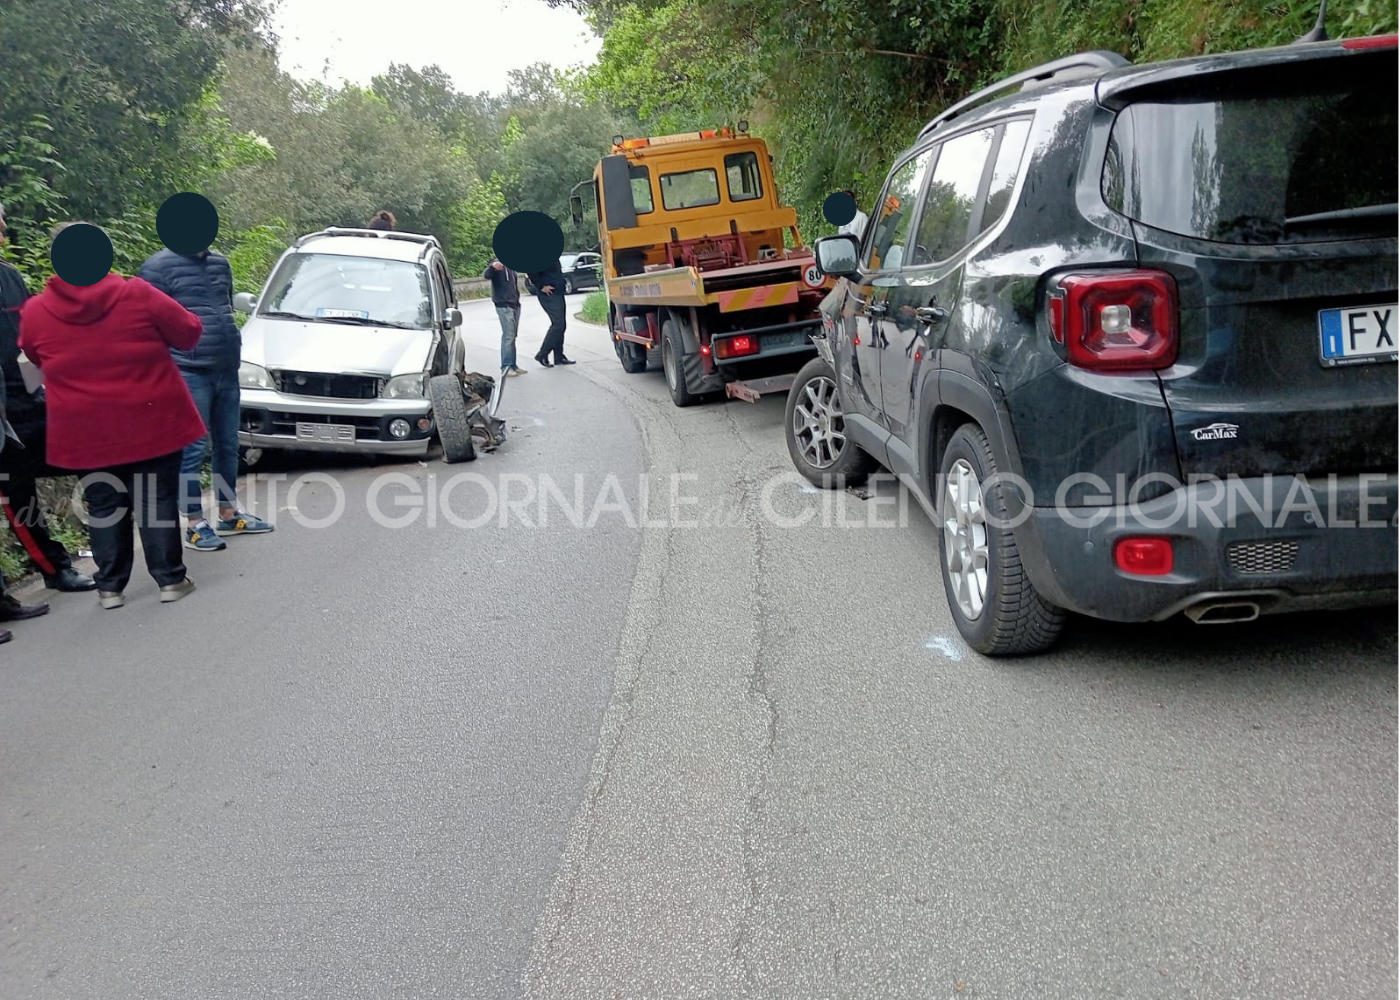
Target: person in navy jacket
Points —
{"points": [[203, 284]]}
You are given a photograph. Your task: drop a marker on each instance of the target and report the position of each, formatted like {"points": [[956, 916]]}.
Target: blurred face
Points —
{"points": [[2, 228]]}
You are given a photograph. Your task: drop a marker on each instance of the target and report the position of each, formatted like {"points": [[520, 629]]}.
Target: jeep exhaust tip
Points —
{"points": [[1223, 612]]}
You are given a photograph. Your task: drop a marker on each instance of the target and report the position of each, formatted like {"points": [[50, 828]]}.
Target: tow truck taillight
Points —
{"points": [[1115, 321], [736, 347]]}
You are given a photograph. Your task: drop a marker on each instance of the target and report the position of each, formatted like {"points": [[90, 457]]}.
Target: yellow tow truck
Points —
{"points": [[703, 264]]}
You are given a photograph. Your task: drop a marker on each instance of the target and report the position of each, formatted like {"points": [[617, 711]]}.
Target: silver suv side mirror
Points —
{"points": [[244, 302], [452, 318]]}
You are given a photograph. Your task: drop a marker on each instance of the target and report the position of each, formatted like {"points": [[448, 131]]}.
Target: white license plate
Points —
{"points": [[1358, 335], [329, 433]]}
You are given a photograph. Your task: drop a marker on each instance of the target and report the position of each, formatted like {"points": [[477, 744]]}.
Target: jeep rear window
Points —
{"points": [[1260, 167], [691, 189]]}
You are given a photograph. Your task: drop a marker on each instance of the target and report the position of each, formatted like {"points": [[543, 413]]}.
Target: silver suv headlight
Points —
{"points": [[251, 376], [406, 387]]}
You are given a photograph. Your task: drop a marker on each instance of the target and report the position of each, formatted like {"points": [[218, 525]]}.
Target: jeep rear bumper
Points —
{"points": [[1257, 541]]}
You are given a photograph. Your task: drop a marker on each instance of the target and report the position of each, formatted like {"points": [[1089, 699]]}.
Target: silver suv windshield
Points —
{"points": [[357, 291]]}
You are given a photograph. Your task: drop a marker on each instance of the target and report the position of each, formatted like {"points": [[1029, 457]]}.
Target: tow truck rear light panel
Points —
{"points": [[739, 346]]}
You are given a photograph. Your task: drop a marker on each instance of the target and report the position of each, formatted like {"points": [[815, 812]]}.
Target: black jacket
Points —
{"points": [[552, 276], [20, 405], [204, 286], [505, 286]]}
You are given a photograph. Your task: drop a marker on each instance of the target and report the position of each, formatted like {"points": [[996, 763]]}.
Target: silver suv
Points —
{"points": [[339, 348]]}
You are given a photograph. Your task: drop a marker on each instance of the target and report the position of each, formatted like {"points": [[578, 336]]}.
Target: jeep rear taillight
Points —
{"points": [[1116, 321]]}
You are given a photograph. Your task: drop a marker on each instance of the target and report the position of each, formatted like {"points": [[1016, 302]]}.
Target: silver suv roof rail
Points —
{"points": [[426, 240], [1069, 68]]}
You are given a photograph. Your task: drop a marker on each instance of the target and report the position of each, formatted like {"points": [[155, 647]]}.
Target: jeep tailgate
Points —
{"points": [[1269, 194]]}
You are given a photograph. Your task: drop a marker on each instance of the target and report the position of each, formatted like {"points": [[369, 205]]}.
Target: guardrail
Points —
{"points": [[477, 288]]}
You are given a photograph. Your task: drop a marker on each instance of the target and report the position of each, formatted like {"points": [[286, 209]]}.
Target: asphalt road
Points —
{"points": [[595, 747]]}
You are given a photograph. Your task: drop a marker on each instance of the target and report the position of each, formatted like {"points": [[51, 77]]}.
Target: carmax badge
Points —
{"points": [[1216, 432]]}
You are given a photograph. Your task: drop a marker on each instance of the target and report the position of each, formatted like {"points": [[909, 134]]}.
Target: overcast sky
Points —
{"points": [[478, 42]]}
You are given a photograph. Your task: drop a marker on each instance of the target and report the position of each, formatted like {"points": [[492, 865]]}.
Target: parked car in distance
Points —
{"points": [[581, 271], [1093, 283], [339, 347]]}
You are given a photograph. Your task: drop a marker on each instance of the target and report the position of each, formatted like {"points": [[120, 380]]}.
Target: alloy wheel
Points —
{"points": [[965, 550], [819, 424]]}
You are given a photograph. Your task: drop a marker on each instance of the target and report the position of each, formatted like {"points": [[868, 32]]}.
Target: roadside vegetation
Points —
{"points": [[595, 308]]}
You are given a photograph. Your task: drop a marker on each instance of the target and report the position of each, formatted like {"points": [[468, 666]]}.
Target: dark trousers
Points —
{"points": [[554, 308], [144, 495], [20, 498]]}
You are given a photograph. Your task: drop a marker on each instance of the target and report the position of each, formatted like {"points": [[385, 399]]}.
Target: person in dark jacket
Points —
{"points": [[203, 284], [505, 296], [121, 415], [22, 464], [550, 283]]}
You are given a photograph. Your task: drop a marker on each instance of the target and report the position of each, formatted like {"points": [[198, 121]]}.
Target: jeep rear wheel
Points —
{"points": [[815, 428], [994, 604]]}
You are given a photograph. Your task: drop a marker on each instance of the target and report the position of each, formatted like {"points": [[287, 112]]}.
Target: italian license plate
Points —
{"points": [[1359, 335], [327, 433]]}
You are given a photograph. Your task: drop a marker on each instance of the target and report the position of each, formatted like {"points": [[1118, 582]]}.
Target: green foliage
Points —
{"points": [[839, 87], [115, 79], [595, 308], [659, 65], [475, 219], [32, 206], [255, 252]]}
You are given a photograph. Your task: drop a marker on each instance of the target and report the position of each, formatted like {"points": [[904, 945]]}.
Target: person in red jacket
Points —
{"points": [[120, 415]]}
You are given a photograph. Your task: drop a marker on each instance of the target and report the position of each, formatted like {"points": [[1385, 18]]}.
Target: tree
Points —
{"points": [[428, 96], [115, 80]]}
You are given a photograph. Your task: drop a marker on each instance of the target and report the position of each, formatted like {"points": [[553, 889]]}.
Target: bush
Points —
{"points": [[595, 308]]}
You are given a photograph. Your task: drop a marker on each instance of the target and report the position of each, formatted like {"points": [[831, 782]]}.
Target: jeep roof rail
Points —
{"points": [[1070, 67], [426, 240]]}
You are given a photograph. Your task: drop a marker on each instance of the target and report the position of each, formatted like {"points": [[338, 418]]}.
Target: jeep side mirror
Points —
{"points": [[838, 255], [576, 209], [244, 302], [452, 318]]}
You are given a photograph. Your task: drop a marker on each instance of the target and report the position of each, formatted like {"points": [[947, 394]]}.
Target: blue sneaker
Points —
{"points": [[200, 537], [243, 523]]}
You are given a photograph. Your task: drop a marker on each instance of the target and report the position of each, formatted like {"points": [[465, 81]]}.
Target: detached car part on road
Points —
{"points": [[1095, 275], [339, 351]]}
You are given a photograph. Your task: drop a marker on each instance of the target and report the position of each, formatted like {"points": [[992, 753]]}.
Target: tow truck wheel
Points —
{"points": [[450, 412], [815, 428], [673, 360], [634, 356]]}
